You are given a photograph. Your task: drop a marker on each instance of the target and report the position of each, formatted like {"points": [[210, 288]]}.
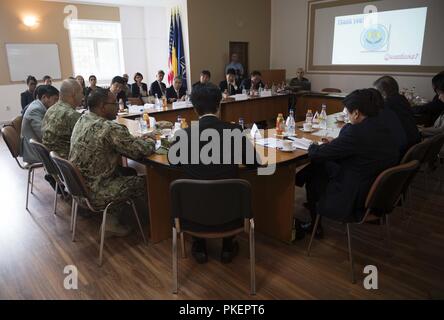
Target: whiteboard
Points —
{"points": [[37, 60]]}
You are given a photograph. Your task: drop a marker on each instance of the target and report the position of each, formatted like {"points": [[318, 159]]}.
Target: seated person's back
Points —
{"points": [[60, 119], [97, 145], [206, 100], [389, 89], [353, 161], [432, 110]]}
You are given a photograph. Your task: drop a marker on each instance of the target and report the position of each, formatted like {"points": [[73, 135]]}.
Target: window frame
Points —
{"points": [[100, 81]]}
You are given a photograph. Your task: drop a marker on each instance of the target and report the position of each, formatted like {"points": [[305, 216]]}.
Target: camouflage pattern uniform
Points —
{"points": [[97, 146], [57, 126]]}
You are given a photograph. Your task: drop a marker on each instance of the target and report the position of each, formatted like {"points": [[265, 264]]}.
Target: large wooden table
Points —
{"points": [[272, 196], [315, 100], [252, 110]]}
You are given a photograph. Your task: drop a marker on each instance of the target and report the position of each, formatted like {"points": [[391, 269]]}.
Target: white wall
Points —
{"points": [[145, 41], [132, 20], [288, 51], [157, 26]]}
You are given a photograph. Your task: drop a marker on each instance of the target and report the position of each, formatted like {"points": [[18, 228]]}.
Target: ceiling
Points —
{"points": [[136, 3]]}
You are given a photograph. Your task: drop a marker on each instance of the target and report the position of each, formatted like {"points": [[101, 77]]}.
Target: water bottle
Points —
{"points": [[290, 124], [323, 118], [241, 123], [157, 102], [142, 125], [309, 116]]}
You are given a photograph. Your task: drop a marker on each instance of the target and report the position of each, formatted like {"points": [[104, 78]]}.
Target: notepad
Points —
{"points": [[303, 143]]}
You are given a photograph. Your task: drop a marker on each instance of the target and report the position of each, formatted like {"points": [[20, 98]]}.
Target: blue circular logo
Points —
{"points": [[374, 38]]}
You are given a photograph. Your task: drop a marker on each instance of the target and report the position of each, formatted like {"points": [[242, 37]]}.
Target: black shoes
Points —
{"points": [[199, 251], [230, 249], [308, 228]]}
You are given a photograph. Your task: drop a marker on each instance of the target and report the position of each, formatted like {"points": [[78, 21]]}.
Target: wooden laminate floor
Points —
{"points": [[36, 246]]}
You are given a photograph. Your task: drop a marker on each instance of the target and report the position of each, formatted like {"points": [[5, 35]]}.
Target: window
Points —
{"points": [[96, 48]]}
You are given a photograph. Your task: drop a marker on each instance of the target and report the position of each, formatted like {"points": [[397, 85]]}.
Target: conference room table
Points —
{"points": [[273, 195], [314, 100], [252, 110]]}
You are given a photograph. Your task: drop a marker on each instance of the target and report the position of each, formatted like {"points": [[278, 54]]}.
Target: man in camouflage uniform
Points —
{"points": [[60, 119], [97, 145]]}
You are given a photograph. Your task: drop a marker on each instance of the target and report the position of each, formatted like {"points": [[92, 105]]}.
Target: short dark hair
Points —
{"points": [[46, 78], [97, 97], [256, 73], [206, 98], [137, 74], [92, 76], [118, 79], [387, 86], [440, 83], [231, 71], [161, 72], [366, 101], [46, 90], [437, 79], [206, 73], [31, 78]]}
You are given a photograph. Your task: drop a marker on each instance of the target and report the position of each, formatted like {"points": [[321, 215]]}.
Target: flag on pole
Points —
{"points": [[176, 61]]}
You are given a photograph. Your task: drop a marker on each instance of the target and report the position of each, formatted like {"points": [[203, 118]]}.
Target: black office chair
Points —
{"points": [[50, 168], [432, 156], [76, 186], [382, 199], [200, 206], [417, 152]]}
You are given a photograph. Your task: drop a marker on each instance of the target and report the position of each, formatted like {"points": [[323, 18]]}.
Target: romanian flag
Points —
{"points": [[176, 61]]}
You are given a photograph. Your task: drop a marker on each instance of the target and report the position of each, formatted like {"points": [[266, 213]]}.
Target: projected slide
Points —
{"points": [[383, 38]]}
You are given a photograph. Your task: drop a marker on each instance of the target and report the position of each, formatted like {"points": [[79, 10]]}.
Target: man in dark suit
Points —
{"points": [[230, 86], [342, 171], [176, 92], [432, 110], [254, 82], [205, 77], [389, 89], [206, 101], [158, 87], [28, 96]]}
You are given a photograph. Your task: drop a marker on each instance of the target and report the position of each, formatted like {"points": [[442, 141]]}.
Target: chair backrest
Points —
{"points": [[211, 202], [333, 90], [17, 124], [12, 139], [417, 152], [387, 188], [43, 154], [72, 177], [436, 144]]}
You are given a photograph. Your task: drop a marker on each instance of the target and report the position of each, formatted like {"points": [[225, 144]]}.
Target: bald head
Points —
{"points": [[71, 92], [300, 73]]}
